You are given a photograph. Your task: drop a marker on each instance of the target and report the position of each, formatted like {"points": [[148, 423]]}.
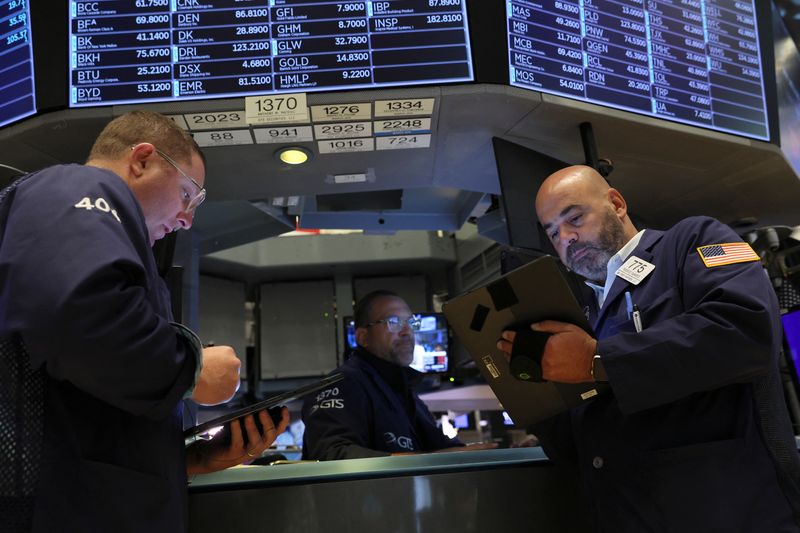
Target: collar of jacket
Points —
{"points": [[399, 378], [643, 251]]}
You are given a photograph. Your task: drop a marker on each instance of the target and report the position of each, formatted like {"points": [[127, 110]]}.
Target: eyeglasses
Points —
{"points": [[395, 324], [191, 202]]}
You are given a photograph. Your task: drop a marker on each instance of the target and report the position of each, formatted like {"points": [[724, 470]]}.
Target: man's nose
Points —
{"points": [[185, 219], [567, 236]]}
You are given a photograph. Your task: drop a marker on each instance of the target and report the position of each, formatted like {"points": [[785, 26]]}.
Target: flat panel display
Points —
{"points": [[17, 99], [787, 66], [692, 61], [791, 333], [155, 50]]}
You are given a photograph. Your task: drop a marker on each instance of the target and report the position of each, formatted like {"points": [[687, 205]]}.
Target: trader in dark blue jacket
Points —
{"points": [[374, 411], [695, 435], [92, 367]]}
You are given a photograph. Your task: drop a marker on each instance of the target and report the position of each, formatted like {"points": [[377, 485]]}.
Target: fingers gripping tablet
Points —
{"points": [[275, 413], [273, 404], [526, 354]]}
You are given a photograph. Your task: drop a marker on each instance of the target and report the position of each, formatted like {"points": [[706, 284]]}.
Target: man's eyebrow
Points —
{"points": [[562, 214]]}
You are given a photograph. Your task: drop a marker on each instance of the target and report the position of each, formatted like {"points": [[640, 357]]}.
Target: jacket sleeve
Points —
{"points": [[339, 424], [714, 327], [83, 293]]}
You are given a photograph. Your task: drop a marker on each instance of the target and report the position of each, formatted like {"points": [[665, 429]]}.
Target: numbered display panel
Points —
{"points": [[17, 99], [148, 50], [691, 61]]}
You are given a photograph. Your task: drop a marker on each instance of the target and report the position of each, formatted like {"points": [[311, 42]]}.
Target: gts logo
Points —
{"points": [[334, 403], [403, 442]]}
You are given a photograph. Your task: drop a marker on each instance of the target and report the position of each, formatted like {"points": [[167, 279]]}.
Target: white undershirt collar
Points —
{"points": [[601, 291]]}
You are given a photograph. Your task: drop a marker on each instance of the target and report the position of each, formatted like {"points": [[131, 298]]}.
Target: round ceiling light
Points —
{"points": [[293, 155]]}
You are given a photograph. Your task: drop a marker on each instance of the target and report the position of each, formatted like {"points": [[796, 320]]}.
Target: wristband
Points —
{"points": [[596, 370]]}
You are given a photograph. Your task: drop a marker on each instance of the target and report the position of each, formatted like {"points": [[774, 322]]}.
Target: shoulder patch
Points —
{"points": [[714, 255]]}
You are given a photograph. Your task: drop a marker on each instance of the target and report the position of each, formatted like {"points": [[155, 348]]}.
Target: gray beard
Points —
{"points": [[594, 264]]}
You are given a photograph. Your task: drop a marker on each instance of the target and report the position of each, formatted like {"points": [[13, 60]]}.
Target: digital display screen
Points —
{"points": [[17, 99], [787, 66], [692, 61], [155, 50], [791, 332], [430, 342]]}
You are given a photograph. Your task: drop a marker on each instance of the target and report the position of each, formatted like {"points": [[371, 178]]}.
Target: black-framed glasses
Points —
{"points": [[192, 202], [395, 324]]}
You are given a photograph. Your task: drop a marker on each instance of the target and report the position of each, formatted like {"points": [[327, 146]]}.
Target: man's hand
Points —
{"points": [[216, 454], [567, 355], [219, 378]]}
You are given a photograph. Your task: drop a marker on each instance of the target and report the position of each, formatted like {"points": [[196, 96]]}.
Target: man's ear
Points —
{"points": [[139, 158], [617, 202], [361, 337]]}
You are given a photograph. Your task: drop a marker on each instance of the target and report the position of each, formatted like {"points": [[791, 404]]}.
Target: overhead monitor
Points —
{"points": [[157, 50], [791, 333], [431, 342], [17, 99], [787, 65], [698, 62]]}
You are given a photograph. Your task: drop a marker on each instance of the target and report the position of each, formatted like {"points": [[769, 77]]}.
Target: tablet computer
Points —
{"points": [[531, 293], [273, 401]]}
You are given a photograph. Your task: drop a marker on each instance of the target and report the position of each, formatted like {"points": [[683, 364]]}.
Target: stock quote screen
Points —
{"points": [[17, 98], [147, 50], [692, 61]]}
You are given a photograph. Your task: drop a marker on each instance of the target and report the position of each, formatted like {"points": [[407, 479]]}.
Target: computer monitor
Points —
{"points": [[17, 93], [791, 334], [120, 53], [700, 63], [431, 342]]}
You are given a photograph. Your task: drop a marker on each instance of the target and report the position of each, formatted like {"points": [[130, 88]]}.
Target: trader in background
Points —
{"points": [[92, 367], [695, 435], [374, 411]]}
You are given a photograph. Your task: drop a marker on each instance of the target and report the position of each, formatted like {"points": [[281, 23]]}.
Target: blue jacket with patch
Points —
{"points": [[81, 295], [695, 436], [362, 416]]}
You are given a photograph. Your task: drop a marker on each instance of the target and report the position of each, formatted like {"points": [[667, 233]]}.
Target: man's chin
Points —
{"points": [[156, 235], [404, 360], [588, 271], [594, 277]]}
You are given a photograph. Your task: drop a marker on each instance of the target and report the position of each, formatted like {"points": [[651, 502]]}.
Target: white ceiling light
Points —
{"points": [[293, 155]]}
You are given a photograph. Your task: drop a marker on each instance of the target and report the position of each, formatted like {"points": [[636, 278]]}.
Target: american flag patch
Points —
{"points": [[727, 254]]}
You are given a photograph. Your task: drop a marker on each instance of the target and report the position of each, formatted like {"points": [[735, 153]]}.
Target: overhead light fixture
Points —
{"points": [[293, 155]]}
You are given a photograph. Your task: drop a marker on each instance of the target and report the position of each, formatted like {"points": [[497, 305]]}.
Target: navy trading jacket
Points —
{"points": [[695, 436], [362, 416], [79, 291]]}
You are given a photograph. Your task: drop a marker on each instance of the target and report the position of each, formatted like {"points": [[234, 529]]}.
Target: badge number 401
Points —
{"points": [[100, 204]]}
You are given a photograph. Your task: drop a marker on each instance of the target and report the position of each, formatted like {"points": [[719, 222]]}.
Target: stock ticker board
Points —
{"points": [[692, 61], [17, 98], [156, 50]]}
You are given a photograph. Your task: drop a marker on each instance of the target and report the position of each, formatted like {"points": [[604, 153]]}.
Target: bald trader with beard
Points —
{"points": [[695, 435]]}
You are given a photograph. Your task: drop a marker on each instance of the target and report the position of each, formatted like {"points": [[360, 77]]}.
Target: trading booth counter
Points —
{"points": [[491, 490]]}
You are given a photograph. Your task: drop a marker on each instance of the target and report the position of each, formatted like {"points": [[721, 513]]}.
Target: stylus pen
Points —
{"points": [[637, 319], [628, 304]]}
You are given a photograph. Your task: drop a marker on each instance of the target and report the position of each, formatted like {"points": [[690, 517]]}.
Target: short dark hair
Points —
{"points": [[137, 127], [363, 308]]}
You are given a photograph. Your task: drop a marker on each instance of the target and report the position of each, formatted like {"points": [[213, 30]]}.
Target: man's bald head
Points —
{"points": [[580, 179], [585, 218]]}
